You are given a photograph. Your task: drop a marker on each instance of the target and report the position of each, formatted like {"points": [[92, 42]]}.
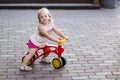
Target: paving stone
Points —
{"points": [[92, 51]]}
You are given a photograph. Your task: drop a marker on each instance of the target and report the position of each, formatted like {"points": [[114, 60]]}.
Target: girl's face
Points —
{"points": [[44, 18]]}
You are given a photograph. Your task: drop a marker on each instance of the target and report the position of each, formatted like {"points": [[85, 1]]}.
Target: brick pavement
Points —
{"points": [[92, 52]]}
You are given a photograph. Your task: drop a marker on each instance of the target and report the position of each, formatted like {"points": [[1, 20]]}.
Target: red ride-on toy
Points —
{"points": [[58, 62]]}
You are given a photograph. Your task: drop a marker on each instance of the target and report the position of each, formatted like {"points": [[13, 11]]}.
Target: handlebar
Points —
{"points": [[62, 41]]}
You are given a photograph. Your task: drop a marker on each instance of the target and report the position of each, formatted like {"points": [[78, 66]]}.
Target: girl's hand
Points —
{"points": [[66, 37], [57, 41]]}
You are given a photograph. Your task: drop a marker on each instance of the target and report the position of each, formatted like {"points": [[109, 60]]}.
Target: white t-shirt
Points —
{"points": [[39, 40]]}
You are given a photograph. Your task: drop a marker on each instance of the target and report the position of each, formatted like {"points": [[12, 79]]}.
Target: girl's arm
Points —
{"points": [[58, 32], [42, 32]]}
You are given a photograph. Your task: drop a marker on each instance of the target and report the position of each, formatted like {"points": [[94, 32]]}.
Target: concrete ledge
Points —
{"points": [[53, 6]]}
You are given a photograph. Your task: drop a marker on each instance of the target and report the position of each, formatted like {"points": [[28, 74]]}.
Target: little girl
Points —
{"points": [[45, 27]]}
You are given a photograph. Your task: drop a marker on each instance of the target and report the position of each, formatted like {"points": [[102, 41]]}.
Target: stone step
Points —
{"points": [[52, 6]]}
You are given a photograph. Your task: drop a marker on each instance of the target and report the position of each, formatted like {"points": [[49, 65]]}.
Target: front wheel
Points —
{"points": [[57, 63], [63, 61], [30, 62]]}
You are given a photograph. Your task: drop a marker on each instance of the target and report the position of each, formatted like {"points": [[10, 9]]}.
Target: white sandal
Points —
{"points": [[25, 68]]}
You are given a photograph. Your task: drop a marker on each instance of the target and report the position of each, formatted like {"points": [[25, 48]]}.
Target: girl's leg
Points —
{"points": [[44, 60], [27, 58], [45, 55]]}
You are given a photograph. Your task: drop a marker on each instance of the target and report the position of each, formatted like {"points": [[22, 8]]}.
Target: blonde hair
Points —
{"points": [[46, 11]]}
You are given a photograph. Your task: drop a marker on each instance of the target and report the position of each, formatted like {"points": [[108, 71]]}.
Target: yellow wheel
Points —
{"points": [[29, 62], [57, 63]]}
